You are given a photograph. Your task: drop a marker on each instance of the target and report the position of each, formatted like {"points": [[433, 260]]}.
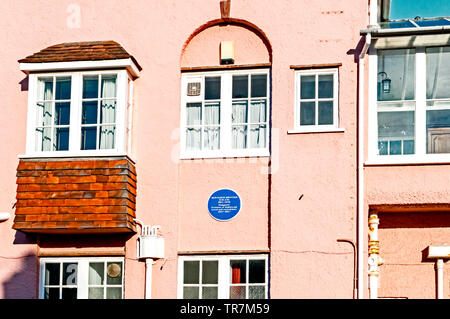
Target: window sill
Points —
{"points": [[222, 155], [63, 155], [408, 160], [316, 130]]}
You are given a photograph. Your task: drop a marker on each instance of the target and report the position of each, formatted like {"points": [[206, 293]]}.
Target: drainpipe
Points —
{"points": [[440, 278], [360, 188], [149, 246]]}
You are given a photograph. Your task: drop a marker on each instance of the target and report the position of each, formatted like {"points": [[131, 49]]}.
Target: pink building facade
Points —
{"points": [[223, 149]]}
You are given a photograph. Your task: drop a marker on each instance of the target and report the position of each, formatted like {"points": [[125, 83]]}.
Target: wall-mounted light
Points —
{"points": [[385, 82], [4, 216]]}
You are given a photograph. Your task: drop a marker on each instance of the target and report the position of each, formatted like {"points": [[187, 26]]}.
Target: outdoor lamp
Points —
{"points": [[385, 82]]}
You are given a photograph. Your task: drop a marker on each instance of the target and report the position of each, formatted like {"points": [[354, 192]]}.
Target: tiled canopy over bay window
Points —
{"points": [[76, 175]]}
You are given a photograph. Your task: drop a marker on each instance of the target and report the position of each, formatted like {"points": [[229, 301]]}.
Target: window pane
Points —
{"points": [[398, 67], [61, 139], [239, 136], [69, 274], [209, 293], [212, 113], [51, 293], [238, 271], [239, 112], [259, 85], [88, 138], [408, 147], [438, 131], [69, 293], [256, 292], [52, 274], [62, 113], [90, 87], [194, 113], [191, 272], [114, 273], [106, 138], [96, 293], [43, 139], [193, 138], [108, 86], [438, 72], [212, 88], [237, 292], [257, 271], [211, 138], [395, 127], [308, 87], [210, 270], [114, 293], [44, 114], [240, 86], [45, 89], [257, 136], [307, 113], [190, 293], [326, 86], [258, 111], [62, 89], [108, 111], [89, 112], [325, 113], [96, 273]]}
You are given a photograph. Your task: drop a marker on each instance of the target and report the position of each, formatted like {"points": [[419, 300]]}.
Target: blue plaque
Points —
{"points": [[224, 204]]}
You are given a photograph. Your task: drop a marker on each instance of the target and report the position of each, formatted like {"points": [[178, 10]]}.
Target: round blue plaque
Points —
{"points": [[224, 204]]}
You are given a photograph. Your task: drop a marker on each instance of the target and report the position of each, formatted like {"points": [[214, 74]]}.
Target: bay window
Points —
{"points": [[223, 277], [77, 113], [413, 105], [225, 114]]}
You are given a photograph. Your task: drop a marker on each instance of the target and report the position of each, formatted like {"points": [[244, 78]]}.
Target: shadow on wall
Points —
{"points": [[414, 220], [22, 283]]}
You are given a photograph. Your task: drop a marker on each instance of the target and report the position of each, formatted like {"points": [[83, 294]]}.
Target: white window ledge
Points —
{"points": [[212, 155], [63, 154], [316, 130], [408, 160]]}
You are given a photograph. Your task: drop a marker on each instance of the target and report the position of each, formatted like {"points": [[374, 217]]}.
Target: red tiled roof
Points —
{"points": [[80, 51]]}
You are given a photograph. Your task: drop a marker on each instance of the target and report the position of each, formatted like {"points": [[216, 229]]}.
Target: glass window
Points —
{"points": [[396, 105], [82, 278], [53, 114], [316, 105], [235, 98], [231, 277]]}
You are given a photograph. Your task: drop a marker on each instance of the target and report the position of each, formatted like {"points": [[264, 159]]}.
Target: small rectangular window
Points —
{"points": [[316, 102]]}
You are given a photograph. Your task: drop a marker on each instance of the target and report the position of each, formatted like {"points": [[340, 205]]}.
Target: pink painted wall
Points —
{"points": [[306, 260]]}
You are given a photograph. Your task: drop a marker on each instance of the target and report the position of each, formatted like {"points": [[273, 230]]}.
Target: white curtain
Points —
{"points": [[438, 77], [239, 132], [257, 136], [212, 133], [108, 112], [44, 115], [193, 134]]}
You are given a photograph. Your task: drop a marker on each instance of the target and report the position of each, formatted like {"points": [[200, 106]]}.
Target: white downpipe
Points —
{"points": [[440, 278], [361, 219], [148, 278]]}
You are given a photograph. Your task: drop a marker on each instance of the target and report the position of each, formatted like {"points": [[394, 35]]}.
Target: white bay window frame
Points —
{"points": [[82, 273], [420, 156], [225, 148], [224, 273], [121, 116]]}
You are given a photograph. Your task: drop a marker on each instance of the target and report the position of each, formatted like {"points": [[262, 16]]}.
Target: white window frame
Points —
{"points": [[82, 272], [420, 144], [120, 143], [316, 128], [225, 115], [224, 272]]}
